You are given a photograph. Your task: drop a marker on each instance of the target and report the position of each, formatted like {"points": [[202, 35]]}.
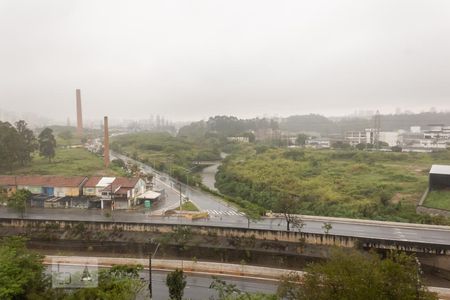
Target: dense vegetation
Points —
{"points": [[344, 183], [22, 276], [358, 276], [17, 144], [164, 152], [346, 275]]}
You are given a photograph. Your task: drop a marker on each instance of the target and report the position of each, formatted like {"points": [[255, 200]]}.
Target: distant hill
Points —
{"points": [[320, 124], [224, 126]]}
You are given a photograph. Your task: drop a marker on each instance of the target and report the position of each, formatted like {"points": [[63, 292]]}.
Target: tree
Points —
{"points": [[176, 282], [358, 276], [118, 282], [227, 291], [288, 206], [340, 145], [47, 144], [18, 201], [301, 139], [27, 142], [21, 271], [251, 213], [9, 146], [361, 146]]}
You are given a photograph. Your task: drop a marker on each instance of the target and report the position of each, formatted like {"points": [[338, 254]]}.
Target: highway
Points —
{"points": [[438, 235], [225, 215]]}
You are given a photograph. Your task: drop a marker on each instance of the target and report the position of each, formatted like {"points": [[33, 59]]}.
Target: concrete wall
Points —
{"points": [[259, 234], [433, 211], [32, 189], [89, 191], [67, 191]]}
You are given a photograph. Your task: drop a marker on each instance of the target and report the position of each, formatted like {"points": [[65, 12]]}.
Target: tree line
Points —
{"points": [[18, 143]]}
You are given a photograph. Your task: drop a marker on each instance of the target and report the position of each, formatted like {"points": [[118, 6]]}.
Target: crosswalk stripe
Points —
{"points": [[224, 212]]}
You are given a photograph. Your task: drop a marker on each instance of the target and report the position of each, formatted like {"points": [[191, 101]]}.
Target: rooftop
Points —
{"points": [[440, 169], [149, 195], [41, 180], [92, 182]]}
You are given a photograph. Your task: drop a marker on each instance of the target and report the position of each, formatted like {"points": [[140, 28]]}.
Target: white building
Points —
{"points": [[318, 143], [392, 138]]}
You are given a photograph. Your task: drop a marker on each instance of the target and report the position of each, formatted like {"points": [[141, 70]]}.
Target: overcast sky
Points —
{"points": [[190, 59]]}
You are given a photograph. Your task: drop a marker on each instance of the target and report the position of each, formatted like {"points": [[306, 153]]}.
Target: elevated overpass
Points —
{"points": [[344, 233]]}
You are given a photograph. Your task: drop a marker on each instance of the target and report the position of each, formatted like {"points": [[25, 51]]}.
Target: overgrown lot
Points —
{"points": [[355, 184], [438, 199]]}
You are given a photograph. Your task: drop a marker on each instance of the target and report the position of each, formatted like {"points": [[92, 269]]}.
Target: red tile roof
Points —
{"points": [[7, 180], [40, 180], [92, 182], [122, 184]]}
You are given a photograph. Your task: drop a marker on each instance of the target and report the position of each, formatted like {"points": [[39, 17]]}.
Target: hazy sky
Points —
{"points": [[191, 59]]}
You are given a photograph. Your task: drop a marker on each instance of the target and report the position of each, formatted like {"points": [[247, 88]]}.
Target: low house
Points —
{"points": [[95, 185], [89, 188], [8, 185], [122, 193], [56, 186], [439, 177]]}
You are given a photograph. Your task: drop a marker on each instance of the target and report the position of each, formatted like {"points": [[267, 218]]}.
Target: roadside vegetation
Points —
{"points": [[23, 276], [188, 206], [341, 183]]}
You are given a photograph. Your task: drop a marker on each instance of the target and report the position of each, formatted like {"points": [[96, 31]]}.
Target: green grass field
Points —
{"points": [[438, 199], [67, 162], [188, 206]]}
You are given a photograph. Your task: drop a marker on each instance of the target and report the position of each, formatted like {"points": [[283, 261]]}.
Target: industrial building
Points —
{"points": [[439, 177]]}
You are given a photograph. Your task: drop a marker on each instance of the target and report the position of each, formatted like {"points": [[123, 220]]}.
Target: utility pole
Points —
{"points": [[150, 256], [150, 276], [180, 197]]}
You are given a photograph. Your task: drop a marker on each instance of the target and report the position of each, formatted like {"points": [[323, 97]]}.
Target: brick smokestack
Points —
{"points": [[79, 114], [106, 142]]}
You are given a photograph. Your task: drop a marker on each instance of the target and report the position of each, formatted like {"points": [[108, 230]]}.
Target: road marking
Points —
{"points": [[223, 212]]}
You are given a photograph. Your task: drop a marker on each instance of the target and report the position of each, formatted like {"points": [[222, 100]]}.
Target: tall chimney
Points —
{"points": [[79, 114], [106, 142]]}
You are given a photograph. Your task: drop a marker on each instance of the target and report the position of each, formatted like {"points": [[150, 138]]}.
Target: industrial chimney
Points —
{"points": [[79, 114], [106, 142]]}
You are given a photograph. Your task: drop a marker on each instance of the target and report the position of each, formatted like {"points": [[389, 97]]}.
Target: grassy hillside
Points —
{"points": [[356, 184], [68, 162]]}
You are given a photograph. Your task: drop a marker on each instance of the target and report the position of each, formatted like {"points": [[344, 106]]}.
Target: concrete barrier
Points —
{"points": [[306, 238], [185, 265]]}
